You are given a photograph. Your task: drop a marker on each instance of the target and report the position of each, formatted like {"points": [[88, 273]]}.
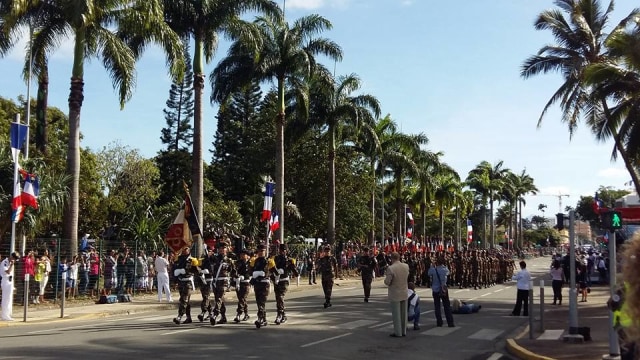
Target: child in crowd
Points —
{"points": [[413, 302]]}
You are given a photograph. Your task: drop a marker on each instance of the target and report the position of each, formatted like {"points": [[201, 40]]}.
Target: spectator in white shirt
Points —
{"points": [[161, 266], [523, 277]]}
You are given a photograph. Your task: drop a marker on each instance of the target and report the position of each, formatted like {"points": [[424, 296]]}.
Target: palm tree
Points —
{"points": [[284, 54], [90, 23], [431, 168], [489, 179], [579, 43], [478, 180], [447, 185], [204, 21], [524, 186], [336, 108]]}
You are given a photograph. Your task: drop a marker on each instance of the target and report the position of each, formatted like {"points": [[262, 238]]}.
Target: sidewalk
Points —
{"points": [[593, 314], [144, 302]]}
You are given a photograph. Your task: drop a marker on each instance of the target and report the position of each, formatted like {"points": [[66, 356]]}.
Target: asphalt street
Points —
{"points": [[350, 329]]}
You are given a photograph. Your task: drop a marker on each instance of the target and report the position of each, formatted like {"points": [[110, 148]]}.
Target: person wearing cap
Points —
{"points": [[184, 270], [223, 268], [206, 278], [6, 271], [284, 269], [260, 267], [366, 267], [243, 277], [328, 267]]}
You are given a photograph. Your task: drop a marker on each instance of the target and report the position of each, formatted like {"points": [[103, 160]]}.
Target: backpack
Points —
{"points": [[108, 299]]}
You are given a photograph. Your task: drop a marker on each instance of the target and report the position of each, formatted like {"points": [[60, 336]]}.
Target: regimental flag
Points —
{"points": [[18, 135], [409, 231], [269, 191], [29, 196], [177, 237], [469, 231], [274, 223], [16, 203], [410, 216], [190, 215], [597, 204]]}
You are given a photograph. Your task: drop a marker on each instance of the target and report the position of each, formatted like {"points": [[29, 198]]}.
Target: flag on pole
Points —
{"points": [[16, 203], [409, 231], [269, 191], [177, 237], [597, 204], [469, 231], [274, 223], [410, 216], [190, 214], [18, 135], [29, 196]]}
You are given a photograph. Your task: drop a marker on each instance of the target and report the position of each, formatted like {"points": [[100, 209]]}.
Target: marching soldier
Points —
{"points": [[311, 267], [328, 267], [206, 277], [222, 270], [366, 267], [243, 277], [185, 268], [260, 268], [285, 267]]}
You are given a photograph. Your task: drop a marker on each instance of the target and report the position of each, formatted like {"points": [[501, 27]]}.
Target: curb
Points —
{"points": [[521, 353]]}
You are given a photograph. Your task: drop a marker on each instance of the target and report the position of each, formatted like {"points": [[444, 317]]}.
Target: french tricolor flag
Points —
{"points": [[269, 191], [31, 190], [274, 223], [16, 203], [410, 216], [18, 135], [469, 231]]}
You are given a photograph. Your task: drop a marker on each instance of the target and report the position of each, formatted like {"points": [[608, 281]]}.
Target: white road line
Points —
{"points": [[494, 356], [487, 294], [325, 340], [499, 291], [349, 288], [177, 331], [486, 334], [381, 325], [461, 290]]}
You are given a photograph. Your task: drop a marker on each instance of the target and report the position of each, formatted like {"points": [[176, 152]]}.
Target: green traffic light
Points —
{"points": [[616, 221]]}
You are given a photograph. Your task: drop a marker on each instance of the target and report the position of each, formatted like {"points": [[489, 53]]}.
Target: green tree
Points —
{"points": [[179, 110], [579, 43], [284, 54]]}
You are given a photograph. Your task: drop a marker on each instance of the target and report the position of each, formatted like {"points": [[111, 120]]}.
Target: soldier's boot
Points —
{"points": [[223, 319], [187, 320], [237, 318], [264, 321], [278, 318], [201, 316], [246, 317], [177, 320], [283, 318], [214, 319]]}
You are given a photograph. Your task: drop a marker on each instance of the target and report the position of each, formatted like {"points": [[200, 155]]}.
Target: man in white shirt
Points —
{"points": [[161, 266], [523, 277], [6, 270]]}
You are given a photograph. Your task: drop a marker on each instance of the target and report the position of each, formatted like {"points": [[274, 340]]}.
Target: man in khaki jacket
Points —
{"points": [[396, 278]]}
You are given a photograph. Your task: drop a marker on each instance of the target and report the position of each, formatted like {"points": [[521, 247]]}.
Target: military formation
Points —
{"points": [[219, 271]]}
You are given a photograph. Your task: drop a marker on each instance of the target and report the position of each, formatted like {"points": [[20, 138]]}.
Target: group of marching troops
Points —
{"points": [[218, 271], [468, 268]]}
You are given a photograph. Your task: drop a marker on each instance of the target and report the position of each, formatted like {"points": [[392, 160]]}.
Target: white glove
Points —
{"points": [[280, 271], [205, 271], [257, 274], [240, 278], [177, 272]]}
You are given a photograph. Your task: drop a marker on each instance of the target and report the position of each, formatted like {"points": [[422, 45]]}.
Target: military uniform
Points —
{"points": [[366, 267], [311, 268], [223, 267], [285, 267], [242, 279], [260, 268], [328, 267], [184, 270], [206, 276]]}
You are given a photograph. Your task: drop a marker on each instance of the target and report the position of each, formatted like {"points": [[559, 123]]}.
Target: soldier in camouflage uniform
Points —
{"points": [[223, 268], [184, 270], [260, 268], [366, 266], [285, 267], [328, 267], [243, 277], [206, 276]]}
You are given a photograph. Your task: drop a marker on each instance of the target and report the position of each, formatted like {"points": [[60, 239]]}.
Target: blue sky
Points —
{"points": [[449, 69]]}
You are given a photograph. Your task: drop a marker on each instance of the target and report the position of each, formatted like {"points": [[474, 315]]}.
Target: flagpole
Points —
{"points": [[12, 246]]}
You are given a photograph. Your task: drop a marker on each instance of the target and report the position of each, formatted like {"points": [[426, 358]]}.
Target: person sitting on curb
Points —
{"points": [[461, 307]]}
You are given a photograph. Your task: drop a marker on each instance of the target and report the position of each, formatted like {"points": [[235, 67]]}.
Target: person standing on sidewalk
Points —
{"points": [[523, 277], [557, 279], [6, 270], [311, 268], [439, 275], [396, 278], [161, 265]]}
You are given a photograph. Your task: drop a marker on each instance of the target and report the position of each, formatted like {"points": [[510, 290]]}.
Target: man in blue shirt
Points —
{"points": [[438, 275], [523, 277]]}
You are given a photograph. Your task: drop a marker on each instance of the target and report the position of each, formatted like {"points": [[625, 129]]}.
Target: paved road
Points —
{"points": [[351, 329]]}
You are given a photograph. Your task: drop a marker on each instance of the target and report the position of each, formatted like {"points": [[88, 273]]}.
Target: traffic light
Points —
{"points": [[560, 221], [611, 220]]}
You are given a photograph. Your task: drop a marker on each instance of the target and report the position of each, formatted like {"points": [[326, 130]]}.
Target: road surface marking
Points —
{"points": [[551, 335], [487, 294], [324, 340], [355, 324], [495, 356], [486, 334], [349, 288], [178, 331], [440, 331], [461, 290], [498, 291], [381, 325]]}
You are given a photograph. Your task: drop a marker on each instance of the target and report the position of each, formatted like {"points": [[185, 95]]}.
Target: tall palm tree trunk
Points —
{"points": [[197, 165], [280, 157], [442, 223], [331, 217], [491, 222], [76, 97], [372, 233], [484, 224], [521, 233], [41, 110], [399, 212]]}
